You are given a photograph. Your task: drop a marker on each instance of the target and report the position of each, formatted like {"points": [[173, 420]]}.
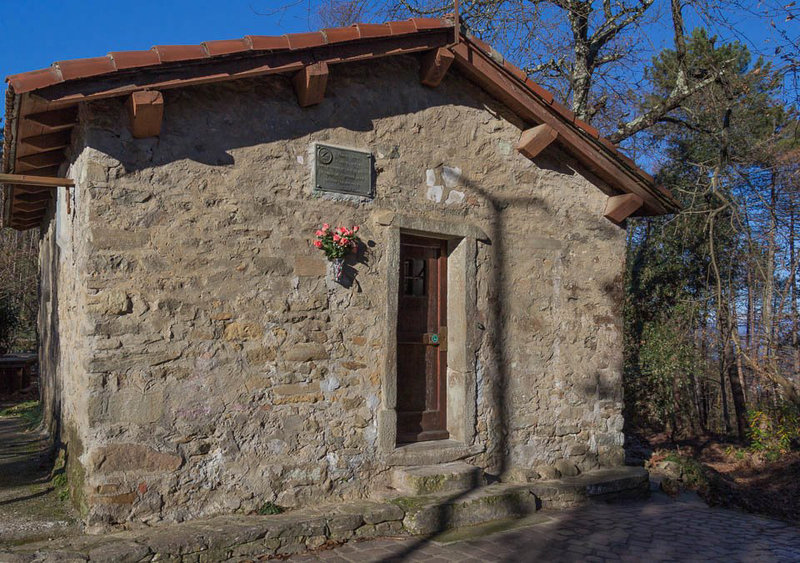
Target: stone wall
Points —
{"points": [[214, 366]]}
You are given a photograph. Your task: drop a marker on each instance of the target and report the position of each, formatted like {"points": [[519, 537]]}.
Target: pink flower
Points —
{"points": [[320, 233], [355, 229], [318, 243], [336, 238], [325, 226]]}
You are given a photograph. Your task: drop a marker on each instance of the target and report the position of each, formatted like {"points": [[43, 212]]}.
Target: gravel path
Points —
{"points": [[30, 508]]}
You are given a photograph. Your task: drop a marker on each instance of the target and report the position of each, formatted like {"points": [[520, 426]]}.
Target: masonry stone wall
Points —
{"points": [[214, 366]]}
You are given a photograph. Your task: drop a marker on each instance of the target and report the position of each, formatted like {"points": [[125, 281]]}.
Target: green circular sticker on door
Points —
{"points": [[435, 338]]}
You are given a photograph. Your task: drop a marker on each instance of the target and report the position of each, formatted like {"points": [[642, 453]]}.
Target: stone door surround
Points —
{"points": [[461, 345]]}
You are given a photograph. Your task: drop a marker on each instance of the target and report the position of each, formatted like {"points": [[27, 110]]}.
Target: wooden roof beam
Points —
{"points": [[56, 118], [310, 84], [42, 159], [533, 141], [620, 207], [434, 65], [48, 141], [30, 180], [146, 112]]}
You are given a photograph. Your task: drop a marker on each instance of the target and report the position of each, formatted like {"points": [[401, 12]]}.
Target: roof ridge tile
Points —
{"points": [[305, 40], [74, 69], [268, 42]]}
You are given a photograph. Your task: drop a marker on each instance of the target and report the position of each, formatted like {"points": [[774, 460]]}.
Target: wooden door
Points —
{"points": [[422, 340]]}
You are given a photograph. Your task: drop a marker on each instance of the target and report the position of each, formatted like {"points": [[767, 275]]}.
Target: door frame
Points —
{"points": [[462, 333]]}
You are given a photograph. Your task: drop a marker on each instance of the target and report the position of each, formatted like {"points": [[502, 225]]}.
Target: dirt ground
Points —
{"points": [[731, 476], [32, 506]]}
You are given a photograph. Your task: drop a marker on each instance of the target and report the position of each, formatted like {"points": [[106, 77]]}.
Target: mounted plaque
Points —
{"points": [[343, 171]]}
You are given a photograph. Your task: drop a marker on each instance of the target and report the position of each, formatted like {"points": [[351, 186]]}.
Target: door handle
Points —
{"points": [[438, 339]]}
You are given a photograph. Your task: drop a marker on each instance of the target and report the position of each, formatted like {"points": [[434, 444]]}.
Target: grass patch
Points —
{"points": [[59, 479], [269, 508], [29, 411]]}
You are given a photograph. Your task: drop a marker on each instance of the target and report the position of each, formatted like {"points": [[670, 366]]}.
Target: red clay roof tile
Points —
{"points": [[81, 68], [226, 46], [588, 128], [608, 144], [565, 112], [402, 27], [268, 42], [429, 23], [175, 53], [305, 40], [134, 59], [33, 80], [341, 34], [515, 70], [539, 91], [373, 30]]}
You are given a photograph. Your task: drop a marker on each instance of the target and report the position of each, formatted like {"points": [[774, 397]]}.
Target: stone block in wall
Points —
{"points": [[243, 331], [105, 238], [132, 457], [308, 266], [112, 302], [305, 352]]}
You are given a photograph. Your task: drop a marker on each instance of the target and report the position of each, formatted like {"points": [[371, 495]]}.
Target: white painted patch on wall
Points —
{"points": [[435, 193], [451, 176], [300, 159], [454, 197], [430, 177]]}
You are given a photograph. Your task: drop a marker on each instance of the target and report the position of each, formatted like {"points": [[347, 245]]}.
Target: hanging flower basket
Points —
{"points": [[336, 244]]}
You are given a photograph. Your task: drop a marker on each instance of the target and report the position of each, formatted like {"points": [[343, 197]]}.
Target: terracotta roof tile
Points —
{"points": [[81, 68], [402, 27], [429, 23], [588, 128], [515, 70], [481, 43], [341, 34], [373, 30], [175, 53], [565, 112], [305, 40], [268, 42], [226, 46], [33, 80], [608, 144], [539, 91], [134, 59]]}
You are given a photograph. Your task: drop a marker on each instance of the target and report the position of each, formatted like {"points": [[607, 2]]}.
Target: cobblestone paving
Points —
{"points": [[660, 529]]}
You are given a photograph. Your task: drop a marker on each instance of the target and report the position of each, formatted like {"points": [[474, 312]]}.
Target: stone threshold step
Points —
{"points": [[428, 479], [435, 513], [599, 485]]}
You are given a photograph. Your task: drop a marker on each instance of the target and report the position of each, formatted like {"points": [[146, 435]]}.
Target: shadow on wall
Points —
{"points": [[50, 344], [199, 121]]}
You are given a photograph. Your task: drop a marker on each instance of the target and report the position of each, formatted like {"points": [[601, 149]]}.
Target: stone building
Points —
{"points": [[199, 357]]}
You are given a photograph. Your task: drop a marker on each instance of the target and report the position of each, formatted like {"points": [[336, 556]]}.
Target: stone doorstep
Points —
{"points": [[599, 485], [428, 479], [443, 511]]}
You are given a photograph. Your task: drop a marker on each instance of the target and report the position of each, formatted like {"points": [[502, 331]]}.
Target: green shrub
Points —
{"points": [[772, 430]]}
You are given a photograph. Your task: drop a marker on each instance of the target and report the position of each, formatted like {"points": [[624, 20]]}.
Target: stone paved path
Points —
{"points": [[30, 508], [660, 529]]}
